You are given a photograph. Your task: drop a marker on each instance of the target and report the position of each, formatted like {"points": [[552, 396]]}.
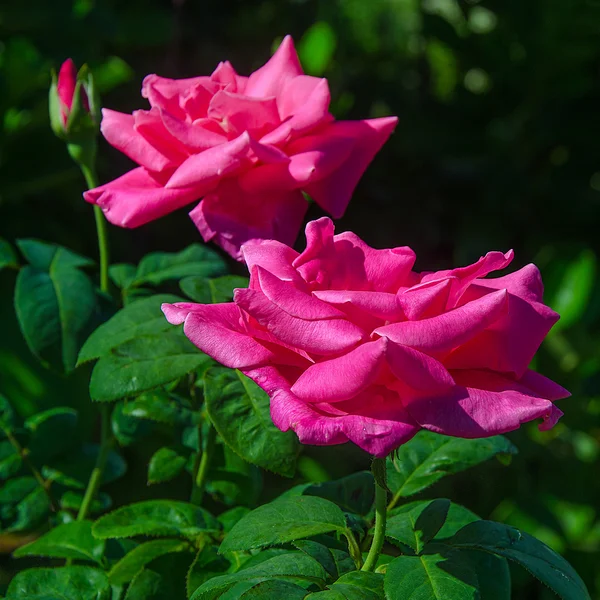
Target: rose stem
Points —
{"points": [[380, 521]]}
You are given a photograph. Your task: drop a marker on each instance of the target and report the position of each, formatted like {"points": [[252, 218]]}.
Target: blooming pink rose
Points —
{"points": [[351, 344], [248, 145]]}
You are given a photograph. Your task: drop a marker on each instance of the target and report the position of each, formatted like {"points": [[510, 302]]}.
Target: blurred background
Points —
{"points": [[497, 148]]}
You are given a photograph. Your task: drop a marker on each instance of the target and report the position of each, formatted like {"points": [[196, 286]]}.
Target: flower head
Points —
{"points": [[351, 344], [247, 146]]}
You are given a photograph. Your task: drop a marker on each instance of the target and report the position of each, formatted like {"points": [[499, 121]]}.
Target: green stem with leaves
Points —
{"points": [[203, 465], [95, 480], [380, 518], [96, 476]]}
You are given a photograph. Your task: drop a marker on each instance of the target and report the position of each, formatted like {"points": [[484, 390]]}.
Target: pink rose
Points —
{"points": [[248, 145], [351, 344]]}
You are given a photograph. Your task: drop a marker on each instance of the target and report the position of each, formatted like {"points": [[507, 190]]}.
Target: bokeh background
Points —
{"points": [[497, 147]]}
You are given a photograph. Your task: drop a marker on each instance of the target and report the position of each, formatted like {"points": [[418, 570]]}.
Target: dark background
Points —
{"points": [[497, 148]]}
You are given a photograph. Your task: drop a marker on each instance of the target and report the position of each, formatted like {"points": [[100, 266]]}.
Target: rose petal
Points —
{"points": [[418, 374], [344, 377], [231, 217], [65, 85], [379, 423], [149, 124], [275, 257], [168, 93], [136, 198], [198, 136], [226, 75], [303, 106], [425, 300], [292, 300], [509, 344], [119, 131], [439, 335], [216, 330], [241, 113], [381, 305], [203, 171], [463, 276], [487, 405], [334, 191], [319, 337], [270, 79]]}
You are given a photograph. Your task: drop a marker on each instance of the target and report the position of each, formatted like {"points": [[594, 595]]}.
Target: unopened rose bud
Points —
{"points": [[75, 111], [74, 107]]}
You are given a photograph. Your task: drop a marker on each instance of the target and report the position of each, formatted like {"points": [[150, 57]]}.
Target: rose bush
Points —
{"points": [[248, 145], [352, 344]]}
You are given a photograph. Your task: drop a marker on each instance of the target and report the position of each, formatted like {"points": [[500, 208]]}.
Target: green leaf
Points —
{"points": [[322, 554], [72, 501], [128, 429], [270, 589], [122, 274], [575, 290], [55, 303], [28, 513], [159, 267], [10, 461], [282, 521], [233, 480], [159, 406], [230, 517], [354, 493], [522, 548], [144, 363], [69, 540], [212, 291], [294, 565], [7, 414], [356, 585], [164, 465], [239, 410], [53, 432], [133, 562], [207, 564], [163, 579], [155, 517], [56, 583], [430, 456], [418, 525], [8, 256], [141, 317], [430, 577]]}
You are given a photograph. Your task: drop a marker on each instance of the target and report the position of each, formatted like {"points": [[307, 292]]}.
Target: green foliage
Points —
{"points": [[55, 302], [69, 540], [8, 256], [133, 562], [154, 518], [296, 565], [429, 577], [283, 521], [164, 465], [525, 550], [141, 317], [144, 363], [239, 410], [212, 291], [429, 456], [66, 583]]}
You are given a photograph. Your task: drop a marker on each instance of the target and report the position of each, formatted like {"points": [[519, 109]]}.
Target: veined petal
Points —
{"points": [[322, 337], [440, 335], [343, 377], [216, 330], [136, 198]]}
